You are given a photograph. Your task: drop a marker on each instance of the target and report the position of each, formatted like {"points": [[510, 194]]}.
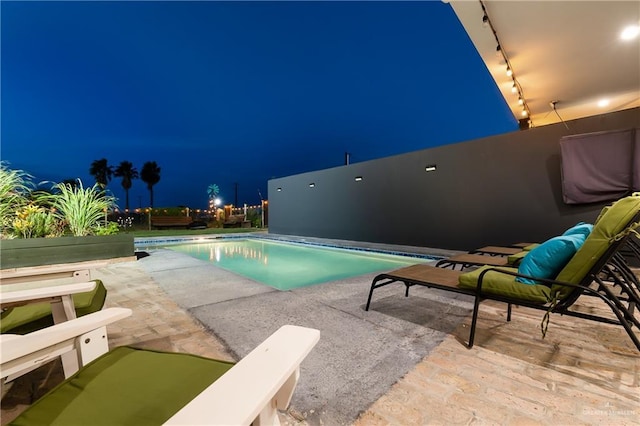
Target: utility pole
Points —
{"points": [[236, 198]]}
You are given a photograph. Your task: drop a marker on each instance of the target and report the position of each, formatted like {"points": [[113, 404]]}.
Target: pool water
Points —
{"points": [[285, 266]]}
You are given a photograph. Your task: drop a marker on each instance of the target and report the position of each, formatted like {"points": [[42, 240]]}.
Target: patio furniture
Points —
{"points": [[170, 221], [77, 271], [236, 221], [128, 386], [504, 256], [25, 310], [581, 275]]}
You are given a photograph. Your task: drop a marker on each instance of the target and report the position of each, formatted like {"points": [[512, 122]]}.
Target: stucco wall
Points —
{"points": [[495, 190]]}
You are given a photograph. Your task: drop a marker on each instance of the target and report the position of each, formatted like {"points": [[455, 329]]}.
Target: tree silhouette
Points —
{"points": [[128, 173], [101, 171], [150, 174]]}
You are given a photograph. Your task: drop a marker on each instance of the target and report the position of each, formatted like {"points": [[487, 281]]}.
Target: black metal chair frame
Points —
{"points": [[609, 264]]}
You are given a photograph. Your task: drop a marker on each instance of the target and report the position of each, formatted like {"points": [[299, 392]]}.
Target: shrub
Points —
{"points": [[32, 221], [110, 229], [81, 208], [14, 188]]}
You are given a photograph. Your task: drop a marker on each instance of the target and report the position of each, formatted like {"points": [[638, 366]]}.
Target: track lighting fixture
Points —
{"points": [[515, 88]]}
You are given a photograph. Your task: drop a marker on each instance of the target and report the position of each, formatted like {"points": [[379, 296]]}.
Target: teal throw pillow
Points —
{"points": [[548, 259], [580, 229]]}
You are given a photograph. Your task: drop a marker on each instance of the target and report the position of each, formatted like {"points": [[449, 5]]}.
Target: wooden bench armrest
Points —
{"points": [[255, 387], [78, 270], [18, 353], [49, 293]]}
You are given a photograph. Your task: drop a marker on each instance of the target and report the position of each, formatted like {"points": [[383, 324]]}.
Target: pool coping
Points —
{"points": [[142, 242]]}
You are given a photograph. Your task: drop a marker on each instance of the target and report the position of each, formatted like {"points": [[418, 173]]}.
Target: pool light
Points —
{"points": [[279, 189], [312, 185], [358, 178], [430, 168]]}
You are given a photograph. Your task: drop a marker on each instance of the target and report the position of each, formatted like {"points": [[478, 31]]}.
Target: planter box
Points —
{"points": [[25, 252]]}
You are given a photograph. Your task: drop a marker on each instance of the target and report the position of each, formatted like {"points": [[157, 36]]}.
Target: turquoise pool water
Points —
{"points": [[286, 266]]}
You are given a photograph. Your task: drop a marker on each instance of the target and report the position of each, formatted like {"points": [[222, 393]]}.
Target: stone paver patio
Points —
{"points": [[582, 373]]}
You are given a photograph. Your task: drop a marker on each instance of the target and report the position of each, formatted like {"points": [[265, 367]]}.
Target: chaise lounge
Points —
{"points": [[580, 276], [128, 386]]}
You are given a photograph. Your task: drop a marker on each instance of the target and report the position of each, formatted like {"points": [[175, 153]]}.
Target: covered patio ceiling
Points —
{"points": [[568, 57]]}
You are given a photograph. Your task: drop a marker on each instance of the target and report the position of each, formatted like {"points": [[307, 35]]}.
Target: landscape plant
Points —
{"points": [[33, 221], [81, 208], [15, 186]]}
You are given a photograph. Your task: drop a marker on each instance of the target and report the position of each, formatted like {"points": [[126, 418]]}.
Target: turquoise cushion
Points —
{"points": [[580, 229], [547, 260]]}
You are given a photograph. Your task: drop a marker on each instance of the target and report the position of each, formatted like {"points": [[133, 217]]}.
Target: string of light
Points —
{"points": [[516, 89]]}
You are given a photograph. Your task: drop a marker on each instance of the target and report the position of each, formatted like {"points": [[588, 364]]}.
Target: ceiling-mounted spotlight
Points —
{"points": [[499, 52], [524, 113], [520, 101], [514, 88], [509, 71], [485, 20], [630, 32]]}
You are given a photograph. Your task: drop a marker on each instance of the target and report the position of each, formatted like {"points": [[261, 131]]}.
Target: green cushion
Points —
{"points": [[514, 259], [611, 222], [35, 316], [530, 247], [505, 285], [126, 386]]}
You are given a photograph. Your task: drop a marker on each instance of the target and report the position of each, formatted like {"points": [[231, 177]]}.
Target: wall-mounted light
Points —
{"points": [[430, 168], [312, 185], [279, 189], [603, 103], [358, 178]]}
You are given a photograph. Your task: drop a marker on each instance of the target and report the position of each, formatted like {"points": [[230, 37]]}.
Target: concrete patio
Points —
{"points": [[582, 373]]}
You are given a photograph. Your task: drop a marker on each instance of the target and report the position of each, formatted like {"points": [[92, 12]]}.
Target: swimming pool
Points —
{"points": [[288, 265]]}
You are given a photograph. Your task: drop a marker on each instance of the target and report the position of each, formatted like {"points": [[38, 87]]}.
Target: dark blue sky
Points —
{"points": [[225, 92]]}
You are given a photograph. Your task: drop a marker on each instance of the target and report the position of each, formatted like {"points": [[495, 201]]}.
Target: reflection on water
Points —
{"points": [[286, 266], [217, 252]]}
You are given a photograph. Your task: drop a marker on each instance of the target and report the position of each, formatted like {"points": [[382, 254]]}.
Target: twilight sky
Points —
{"points": [[234, 92]]}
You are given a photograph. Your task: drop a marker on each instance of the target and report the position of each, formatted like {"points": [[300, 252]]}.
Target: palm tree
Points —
{"points": [[150, 175], [128, 173], [101, 171]]}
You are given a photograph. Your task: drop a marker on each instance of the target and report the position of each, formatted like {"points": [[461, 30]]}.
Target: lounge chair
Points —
{"points": [[30, 309], [557, 295], [24, 311], [128, 386], [502, 256]]}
